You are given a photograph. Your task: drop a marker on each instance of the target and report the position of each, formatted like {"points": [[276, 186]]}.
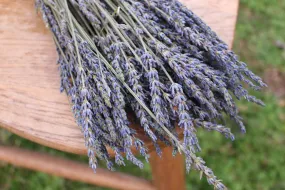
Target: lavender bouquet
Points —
{"points": [[154, 58]]}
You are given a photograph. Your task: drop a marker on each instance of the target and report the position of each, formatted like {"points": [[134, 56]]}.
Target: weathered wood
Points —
{"points": [[72, 170], [168, 172], [30, 103]]}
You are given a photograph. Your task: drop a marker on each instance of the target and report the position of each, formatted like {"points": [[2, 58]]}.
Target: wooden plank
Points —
{"points": [[30, 103], [168, 172], [72, 170]]}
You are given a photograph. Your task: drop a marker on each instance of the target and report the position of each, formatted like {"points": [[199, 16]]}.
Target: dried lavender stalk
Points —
{"points": [[155, 57]]}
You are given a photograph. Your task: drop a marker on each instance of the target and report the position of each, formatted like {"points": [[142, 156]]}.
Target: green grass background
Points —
{"points": [[255, 161]]}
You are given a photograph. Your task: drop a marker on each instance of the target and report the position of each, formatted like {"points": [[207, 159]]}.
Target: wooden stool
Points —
{"points": [[31, 105]]}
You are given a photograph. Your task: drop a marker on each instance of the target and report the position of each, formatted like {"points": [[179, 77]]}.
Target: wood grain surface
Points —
{"points": [[30, 102]]}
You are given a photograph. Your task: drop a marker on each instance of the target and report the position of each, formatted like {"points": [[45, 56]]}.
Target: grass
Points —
{"points": [[254, 161]]}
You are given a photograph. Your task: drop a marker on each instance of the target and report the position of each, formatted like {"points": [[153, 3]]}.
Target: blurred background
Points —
{"points": [[254, 161]]}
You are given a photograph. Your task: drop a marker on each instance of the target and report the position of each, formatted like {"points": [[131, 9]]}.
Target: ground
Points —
{"points": [[253, 161]]}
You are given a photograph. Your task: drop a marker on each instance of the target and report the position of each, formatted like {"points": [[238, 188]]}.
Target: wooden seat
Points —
{"points": [[31, 105]]}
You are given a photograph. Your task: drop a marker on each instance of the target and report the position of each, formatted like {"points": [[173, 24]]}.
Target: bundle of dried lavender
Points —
{"points": [[155, 57]]}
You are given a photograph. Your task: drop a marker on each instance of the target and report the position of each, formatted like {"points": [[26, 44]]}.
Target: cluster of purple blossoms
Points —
{"points": [[155, 58]]}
